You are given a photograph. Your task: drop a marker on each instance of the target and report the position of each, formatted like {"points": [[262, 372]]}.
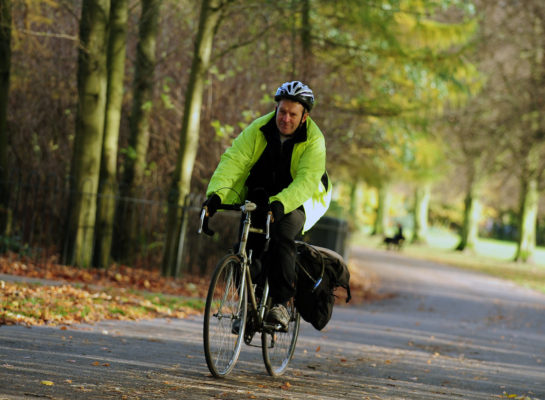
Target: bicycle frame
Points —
{"points": [[220, 346], [246, 258]]}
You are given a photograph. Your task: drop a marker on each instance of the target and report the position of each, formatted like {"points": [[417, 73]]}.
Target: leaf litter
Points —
{"points": [[87, 296], [120, 292]]}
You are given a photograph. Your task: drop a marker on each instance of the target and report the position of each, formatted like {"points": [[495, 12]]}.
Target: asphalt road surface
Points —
{"points": [[445, 334]]}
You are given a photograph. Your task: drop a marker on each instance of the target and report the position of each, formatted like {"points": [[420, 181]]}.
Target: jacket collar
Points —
{"points": [[271, 131]]}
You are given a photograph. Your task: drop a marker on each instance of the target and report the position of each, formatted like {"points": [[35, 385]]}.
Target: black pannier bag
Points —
{"points": [[319, 272]]}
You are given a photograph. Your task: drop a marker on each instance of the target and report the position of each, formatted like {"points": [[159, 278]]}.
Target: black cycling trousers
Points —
{"points": [[279, 260]]}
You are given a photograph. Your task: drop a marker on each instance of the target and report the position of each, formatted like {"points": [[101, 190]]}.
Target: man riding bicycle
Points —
{"points": [[278, 162]]}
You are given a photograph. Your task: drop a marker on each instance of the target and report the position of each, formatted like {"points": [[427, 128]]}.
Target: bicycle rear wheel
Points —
{"points": [[226, 303], [278, 346]]}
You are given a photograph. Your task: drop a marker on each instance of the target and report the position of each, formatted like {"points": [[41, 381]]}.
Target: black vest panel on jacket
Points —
{"points": [[272, 171]]}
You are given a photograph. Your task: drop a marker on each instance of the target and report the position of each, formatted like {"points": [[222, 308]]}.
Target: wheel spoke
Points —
{"points": [[224, 305], [278, 346]]}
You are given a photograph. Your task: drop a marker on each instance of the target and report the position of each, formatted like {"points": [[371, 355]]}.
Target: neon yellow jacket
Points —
{"points": [[307, 169]]}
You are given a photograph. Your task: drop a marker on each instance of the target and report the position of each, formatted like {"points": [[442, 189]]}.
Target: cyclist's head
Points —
{"points": [[296, 91]]}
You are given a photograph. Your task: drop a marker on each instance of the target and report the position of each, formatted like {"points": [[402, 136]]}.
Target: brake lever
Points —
{"points": [[203, 216], [267, 231], [204, 223], [268, 226]]}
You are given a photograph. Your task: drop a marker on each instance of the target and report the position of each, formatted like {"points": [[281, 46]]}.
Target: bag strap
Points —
{"points": [[318, 281]]}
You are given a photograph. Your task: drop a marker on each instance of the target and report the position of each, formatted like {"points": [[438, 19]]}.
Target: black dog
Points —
{"points": [[396, 241]]}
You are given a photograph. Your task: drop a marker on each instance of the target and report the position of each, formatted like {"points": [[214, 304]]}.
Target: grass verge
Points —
{"points": [[492, 257]]}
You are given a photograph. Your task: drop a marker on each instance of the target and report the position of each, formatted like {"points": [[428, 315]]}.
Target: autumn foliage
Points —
{"points": [[52, 294], [118, 276], [67, 295]]}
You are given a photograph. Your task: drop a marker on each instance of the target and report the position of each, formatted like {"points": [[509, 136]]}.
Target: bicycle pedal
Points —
{"points": [[248, 337], [270, 328]]}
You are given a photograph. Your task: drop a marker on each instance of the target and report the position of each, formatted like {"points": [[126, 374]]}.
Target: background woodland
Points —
{"points": [[113, 116]]}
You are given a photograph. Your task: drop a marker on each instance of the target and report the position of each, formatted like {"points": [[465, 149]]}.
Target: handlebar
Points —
{"points": [[204, 217], [232, 207], [247, 207]]}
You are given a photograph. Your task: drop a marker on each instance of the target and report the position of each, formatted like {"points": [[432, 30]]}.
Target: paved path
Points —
{"points": [[447, 334]]}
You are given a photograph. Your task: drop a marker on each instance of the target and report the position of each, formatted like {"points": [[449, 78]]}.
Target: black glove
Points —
{"points": [[212, 203], [277, 210]]}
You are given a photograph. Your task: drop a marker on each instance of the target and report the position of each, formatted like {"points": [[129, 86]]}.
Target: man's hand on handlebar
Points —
{"points": [[211, 205], [277, 210], [209, 208]]}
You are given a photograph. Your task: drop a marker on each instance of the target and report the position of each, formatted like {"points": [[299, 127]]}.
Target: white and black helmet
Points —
{"points": [[296, 91]]}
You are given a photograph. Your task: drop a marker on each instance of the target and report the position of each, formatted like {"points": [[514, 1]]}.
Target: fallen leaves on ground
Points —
{"points": [[26, 304], [364, 285], [120, 292], [90, 295], [285, 386], [517, 397], [119, 276]]}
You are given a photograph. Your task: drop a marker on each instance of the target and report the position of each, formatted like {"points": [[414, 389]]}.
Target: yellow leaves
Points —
{"points": [[99, 364], [50, 3], [428, 154], [286, 386], [424, 32], [406, 21], [117, 276], [47, 383], [516, 396], [65, 305]]}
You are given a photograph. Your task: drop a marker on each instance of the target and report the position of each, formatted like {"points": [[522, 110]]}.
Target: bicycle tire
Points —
{"points": [[278, 347], [225, 303]]}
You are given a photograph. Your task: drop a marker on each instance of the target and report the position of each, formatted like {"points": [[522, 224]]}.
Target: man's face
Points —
{"points": [[288, 116]]}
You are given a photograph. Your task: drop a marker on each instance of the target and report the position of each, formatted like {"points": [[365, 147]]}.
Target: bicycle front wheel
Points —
{"points": [[278, 346], [224, 317]]}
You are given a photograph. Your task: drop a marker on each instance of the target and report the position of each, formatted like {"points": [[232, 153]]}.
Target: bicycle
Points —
{"points": [[233, 301]]}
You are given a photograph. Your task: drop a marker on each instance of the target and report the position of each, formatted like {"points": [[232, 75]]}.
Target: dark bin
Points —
{"points": [[329, 232]]}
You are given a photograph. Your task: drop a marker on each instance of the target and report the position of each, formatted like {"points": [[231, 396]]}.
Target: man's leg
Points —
{"points": [[280, 259]]}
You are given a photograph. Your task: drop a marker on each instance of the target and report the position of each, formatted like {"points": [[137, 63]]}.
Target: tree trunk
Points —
{"points": [[117, 44], [421, 206], [135, 162], [470, 226], [353, 207], [381, 221], [189, 137], [92, 86], [529, 192], [527, 220], [5, 67], [306, 43], [357, 203]]}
